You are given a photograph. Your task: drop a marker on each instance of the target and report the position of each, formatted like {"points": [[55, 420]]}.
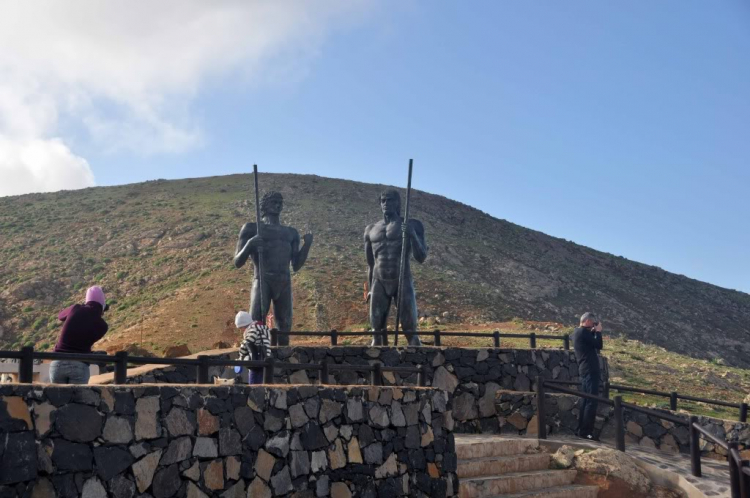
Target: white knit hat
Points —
{"points": [[243, 319]]}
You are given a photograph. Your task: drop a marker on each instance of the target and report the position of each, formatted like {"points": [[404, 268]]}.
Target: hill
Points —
{"points": [[163, 252]]}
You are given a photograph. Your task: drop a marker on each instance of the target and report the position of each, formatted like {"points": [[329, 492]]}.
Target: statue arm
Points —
{"points": [[299, 255], [418, 245], [244, 248], [370, 257]]}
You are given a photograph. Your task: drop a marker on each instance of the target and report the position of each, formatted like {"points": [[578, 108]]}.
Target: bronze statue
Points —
{"points": [[383, 244], [280, 246]]}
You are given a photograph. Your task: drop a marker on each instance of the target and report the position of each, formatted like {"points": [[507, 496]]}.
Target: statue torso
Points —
{"points": [[277, 249], [386, 239]]}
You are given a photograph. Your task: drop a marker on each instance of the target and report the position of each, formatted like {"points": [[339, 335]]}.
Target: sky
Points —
{"points": [[623, 126]]}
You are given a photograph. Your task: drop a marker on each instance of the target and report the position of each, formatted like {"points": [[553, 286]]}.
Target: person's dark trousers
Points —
{"points": [[587, 414]]}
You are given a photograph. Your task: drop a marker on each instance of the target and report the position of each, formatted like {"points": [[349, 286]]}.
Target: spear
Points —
{"points": [[258, 223], [404, 253]]}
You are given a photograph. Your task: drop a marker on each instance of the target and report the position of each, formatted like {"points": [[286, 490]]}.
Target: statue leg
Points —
{"points": [[255, 311], [380, 303], [282, 314], [408, 315]]}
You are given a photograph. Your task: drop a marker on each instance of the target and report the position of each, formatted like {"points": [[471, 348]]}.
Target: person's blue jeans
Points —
{"points": [[69, 372], [587, 413]]}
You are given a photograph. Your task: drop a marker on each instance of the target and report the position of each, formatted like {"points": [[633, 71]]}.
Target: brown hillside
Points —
{"points": [[163, 251]]}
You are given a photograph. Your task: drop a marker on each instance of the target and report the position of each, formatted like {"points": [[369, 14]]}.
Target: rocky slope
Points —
{"points": [[163, 252]]}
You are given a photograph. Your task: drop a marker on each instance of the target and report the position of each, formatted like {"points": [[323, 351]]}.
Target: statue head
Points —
{"points": [[271, 203], [390, 202]]}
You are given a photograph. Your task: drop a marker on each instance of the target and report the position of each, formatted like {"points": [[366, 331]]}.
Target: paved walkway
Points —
{"points": [[673, 467]]}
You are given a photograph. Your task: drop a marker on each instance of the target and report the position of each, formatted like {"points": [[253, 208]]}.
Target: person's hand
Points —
{"points": [[406, 227], [255, 242], [598, 327], [307, 238]]}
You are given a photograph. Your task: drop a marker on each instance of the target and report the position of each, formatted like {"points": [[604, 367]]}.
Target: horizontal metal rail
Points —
{"points": [[653, 413], [711, 401], [122, 359], [436, 334], [579, 394], [711, 437]]}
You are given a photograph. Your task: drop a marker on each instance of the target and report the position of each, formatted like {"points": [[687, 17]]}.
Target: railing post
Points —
{"points": [[673, 401], [734, 471], [121, 367], [202, 374], [540, 415], [274, 337], [436, 334], [334, 338], [26, 365], [324, 372], [269, 371], [695, 448], [619, 424], [377, 375], [421, 380], [532, 340], [496, 338], [606, 389], [566, 342], [743, 412]]}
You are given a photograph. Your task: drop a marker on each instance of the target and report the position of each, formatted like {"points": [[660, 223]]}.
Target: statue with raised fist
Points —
{"points": [[280, 247]]}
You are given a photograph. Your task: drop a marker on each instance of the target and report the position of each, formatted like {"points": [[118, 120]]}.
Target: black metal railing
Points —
{"points": [[739, 470], [202, 363], [673, 396], [436, 335]]}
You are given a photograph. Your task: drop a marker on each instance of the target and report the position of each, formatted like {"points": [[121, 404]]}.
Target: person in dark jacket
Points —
{"points": [[587, 342], [83, 325]]}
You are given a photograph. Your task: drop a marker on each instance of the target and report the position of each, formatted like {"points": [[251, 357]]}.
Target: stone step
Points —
{"points": [[573, 491], [497, 447], [494, 465], [516, 482]]}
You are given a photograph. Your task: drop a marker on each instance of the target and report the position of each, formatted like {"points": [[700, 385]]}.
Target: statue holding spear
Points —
{"points": [[272, 247], [389, 245]]}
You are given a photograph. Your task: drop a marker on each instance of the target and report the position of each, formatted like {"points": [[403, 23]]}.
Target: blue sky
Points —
{"points": [[621, 126]]}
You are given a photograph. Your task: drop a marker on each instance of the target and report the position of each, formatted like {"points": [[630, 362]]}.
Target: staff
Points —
{"points": [[259, 222], [404, 254]]}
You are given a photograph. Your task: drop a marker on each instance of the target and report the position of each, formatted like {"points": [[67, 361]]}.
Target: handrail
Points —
{"points": [[739, 483], [712, 401], [653, 413], [436, 334], [582, 395], [711, 437], [121, 359], [673, 397]]}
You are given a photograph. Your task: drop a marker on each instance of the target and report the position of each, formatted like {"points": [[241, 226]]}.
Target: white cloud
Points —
{"points": [[38, 165], [126, 72]]}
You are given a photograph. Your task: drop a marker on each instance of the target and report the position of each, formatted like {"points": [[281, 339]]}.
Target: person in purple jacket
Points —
{"points": [[83, 325]]}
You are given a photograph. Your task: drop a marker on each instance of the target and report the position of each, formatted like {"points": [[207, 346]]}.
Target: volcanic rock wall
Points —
{"points": [[233, 441], [471, 376]]}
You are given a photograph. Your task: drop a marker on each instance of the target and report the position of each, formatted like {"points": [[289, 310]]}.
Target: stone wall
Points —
{"points": [[232, 441], [471, 376], [517, 415]]}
